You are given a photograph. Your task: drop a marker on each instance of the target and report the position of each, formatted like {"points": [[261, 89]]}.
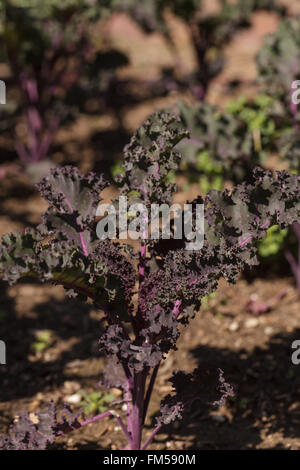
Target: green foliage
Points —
{"points": [[257, 114], [220, 146], [96, 402], [117, 169], [43, 341], [273, 243], [211, 176], [206, 301]]}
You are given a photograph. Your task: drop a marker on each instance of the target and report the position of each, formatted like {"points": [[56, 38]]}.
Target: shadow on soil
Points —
{"points": [[267, 388]]}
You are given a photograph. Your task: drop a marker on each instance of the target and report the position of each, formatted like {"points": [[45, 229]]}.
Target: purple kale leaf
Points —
{"points": [[65, 250], [224, 137], [233, 221], [149, 158], [137, 357], [209, 388], [36, 431], [105, 276], [73, 200]]}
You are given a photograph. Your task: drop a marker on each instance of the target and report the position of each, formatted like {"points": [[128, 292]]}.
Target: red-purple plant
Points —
{"points": [[168, 280], [295, 263], [279, 67], [48, 48]]}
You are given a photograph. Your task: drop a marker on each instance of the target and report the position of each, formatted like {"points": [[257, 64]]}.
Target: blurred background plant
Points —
{"points": [[209, 33], [62, 64], [55, 67], [43, 341], [279, 66], [96, 402], [221, 147]]}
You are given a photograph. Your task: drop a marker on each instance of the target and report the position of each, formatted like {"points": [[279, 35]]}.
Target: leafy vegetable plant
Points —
{"points": [[96, 402], [225, 146], [43, 341], [209, 32], [221, 146], [257, 114], [279, 67], [147, 297], [50, 52]]}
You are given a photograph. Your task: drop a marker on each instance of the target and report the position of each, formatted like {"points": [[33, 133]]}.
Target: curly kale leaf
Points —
{"points": [[149, 158], [105, 276], [65, 250], [218, 141], [233, 222], [208, 387], [73, 200], [177, 279], [36, 431], [279, 59]]}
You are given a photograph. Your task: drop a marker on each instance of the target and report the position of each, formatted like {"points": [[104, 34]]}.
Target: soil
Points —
{"points": [[254, 351]]}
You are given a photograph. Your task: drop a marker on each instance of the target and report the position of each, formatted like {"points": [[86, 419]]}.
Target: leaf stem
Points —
{"points": [[152, 435], [150, 390], [104, 415]]}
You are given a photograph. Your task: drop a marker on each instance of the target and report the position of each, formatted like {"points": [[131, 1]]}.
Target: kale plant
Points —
{"points": [[49, 48], [279, 61], [221, 146], [258, 115], [225, 146], [209, 33], [279, 67], [146, 297]]}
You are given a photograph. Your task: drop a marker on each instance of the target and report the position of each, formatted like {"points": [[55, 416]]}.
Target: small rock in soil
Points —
{"points": [[75, 398], [251, 323]]}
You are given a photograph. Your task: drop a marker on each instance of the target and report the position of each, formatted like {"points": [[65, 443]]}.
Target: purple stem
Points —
{"points": [[104, 415], [137, 410], [294, 106], [292, 262], [48, 137], [295, 265], [83, 244], [142, 261], [21, 151], [96, 418], [149, 391], [296, 228], [82, 241], [128, 404], [152, 435], [264, 225], [176, 309]]}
